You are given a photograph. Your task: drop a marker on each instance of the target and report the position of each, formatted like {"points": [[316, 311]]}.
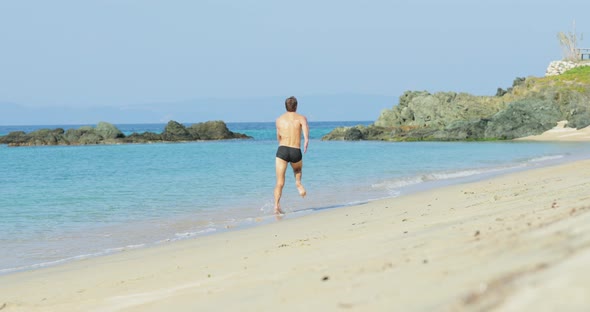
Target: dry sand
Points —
{"points": [[561, 133], [519, 242]]}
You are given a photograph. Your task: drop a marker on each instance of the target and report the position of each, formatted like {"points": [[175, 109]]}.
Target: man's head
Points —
{"points": [[291, 104]]}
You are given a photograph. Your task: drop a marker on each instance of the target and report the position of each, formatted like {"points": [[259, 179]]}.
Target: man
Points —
{"points": [[290, 125]]}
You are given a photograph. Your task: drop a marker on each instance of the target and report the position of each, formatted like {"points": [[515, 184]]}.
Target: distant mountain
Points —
{"points": [[14, 114], [316, 107]]}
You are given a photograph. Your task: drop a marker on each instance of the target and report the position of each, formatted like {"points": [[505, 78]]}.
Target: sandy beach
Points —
{"points": [[517, 242], [562, 133]]}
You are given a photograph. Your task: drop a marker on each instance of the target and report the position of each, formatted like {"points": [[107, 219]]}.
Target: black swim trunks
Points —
{"points": [[289, 154]]}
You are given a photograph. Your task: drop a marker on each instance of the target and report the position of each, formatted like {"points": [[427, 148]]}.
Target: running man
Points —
{"points": [[289, 128]]}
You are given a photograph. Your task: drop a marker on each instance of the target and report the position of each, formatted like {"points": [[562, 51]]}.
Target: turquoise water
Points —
{"points": [[60, 203]]}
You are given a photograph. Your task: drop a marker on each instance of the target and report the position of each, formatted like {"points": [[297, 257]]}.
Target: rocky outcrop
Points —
{"points": [[523, 118], [106, 133], [531, 106], [176, 132], [210, 130], [422, 109]]}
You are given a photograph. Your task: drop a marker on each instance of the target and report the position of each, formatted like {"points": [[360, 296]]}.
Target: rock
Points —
{"points": [[531, 106], [523, 118], [358, 132], [73, 135], [82, 135], [175, 131], [146, 137], [106, 133], [336, 134], [90, 137], [463, 130], [422, 109], [377, 133], [213, 130], [353, 134], [575, 107], [14, 138], [42, 137], [556, 68], [518, 81], [501, 92]]}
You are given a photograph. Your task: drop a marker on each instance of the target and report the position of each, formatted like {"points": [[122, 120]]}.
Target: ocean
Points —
{"points": [[61, 203]]}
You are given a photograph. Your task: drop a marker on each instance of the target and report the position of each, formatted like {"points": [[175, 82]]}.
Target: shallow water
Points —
{"points": [[66, 202]]}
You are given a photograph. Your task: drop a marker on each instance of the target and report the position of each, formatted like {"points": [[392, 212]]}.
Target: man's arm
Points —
{"points": [[278, 135], [305, 129]]}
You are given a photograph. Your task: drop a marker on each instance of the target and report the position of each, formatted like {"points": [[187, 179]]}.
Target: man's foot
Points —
{"points": [[278, 211], [301, 190]]}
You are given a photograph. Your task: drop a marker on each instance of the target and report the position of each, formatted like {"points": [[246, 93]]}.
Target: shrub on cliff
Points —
{"points": [[569, 43]]}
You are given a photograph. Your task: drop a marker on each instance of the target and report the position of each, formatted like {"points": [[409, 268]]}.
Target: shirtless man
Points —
{"points": [[289, 128]]}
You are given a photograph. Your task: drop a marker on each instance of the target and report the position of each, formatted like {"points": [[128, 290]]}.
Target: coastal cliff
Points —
{"points": [[106, 133], [531, 106]]}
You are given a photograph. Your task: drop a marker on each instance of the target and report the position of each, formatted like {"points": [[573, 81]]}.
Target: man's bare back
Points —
{"points": [[289, 128]]}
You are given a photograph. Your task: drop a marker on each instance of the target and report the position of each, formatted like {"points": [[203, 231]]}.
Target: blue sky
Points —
{"points": [[150, 61]]}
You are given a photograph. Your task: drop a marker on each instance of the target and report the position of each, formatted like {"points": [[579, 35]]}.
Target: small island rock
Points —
{"points": [[106, 133]]}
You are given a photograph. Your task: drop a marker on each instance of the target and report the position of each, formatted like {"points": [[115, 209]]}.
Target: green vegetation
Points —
{"points": [[576, 79], [579, 74]]}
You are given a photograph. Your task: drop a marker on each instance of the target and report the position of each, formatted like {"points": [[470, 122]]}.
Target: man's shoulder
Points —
{"points": [[302, 117]]}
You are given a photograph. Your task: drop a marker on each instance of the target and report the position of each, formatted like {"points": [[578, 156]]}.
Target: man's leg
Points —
{"points": [[297, 168], [281, 167]]}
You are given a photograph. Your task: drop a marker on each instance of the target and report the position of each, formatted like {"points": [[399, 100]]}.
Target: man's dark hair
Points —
{"points": [[291, 104]]}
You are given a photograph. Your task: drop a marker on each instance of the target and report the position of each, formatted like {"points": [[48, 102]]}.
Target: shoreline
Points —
{"points": [[496, 243], [246, 221]]}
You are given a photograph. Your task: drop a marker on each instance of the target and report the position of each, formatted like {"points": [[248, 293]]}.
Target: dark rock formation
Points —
{"points": [[146, 137], [47, 137], [531, 106], [106, 133], [213, 130], [353, 134], [523, 118], [175, 131]]}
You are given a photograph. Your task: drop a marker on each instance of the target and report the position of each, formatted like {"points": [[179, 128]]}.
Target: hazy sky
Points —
{"points": [[147, 61]]}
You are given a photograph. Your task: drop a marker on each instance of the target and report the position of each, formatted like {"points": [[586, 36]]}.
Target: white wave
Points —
{"points": [[463, 173], [546, 158], [399, 183], [117, 249], [191, 234], [393, 186]]}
